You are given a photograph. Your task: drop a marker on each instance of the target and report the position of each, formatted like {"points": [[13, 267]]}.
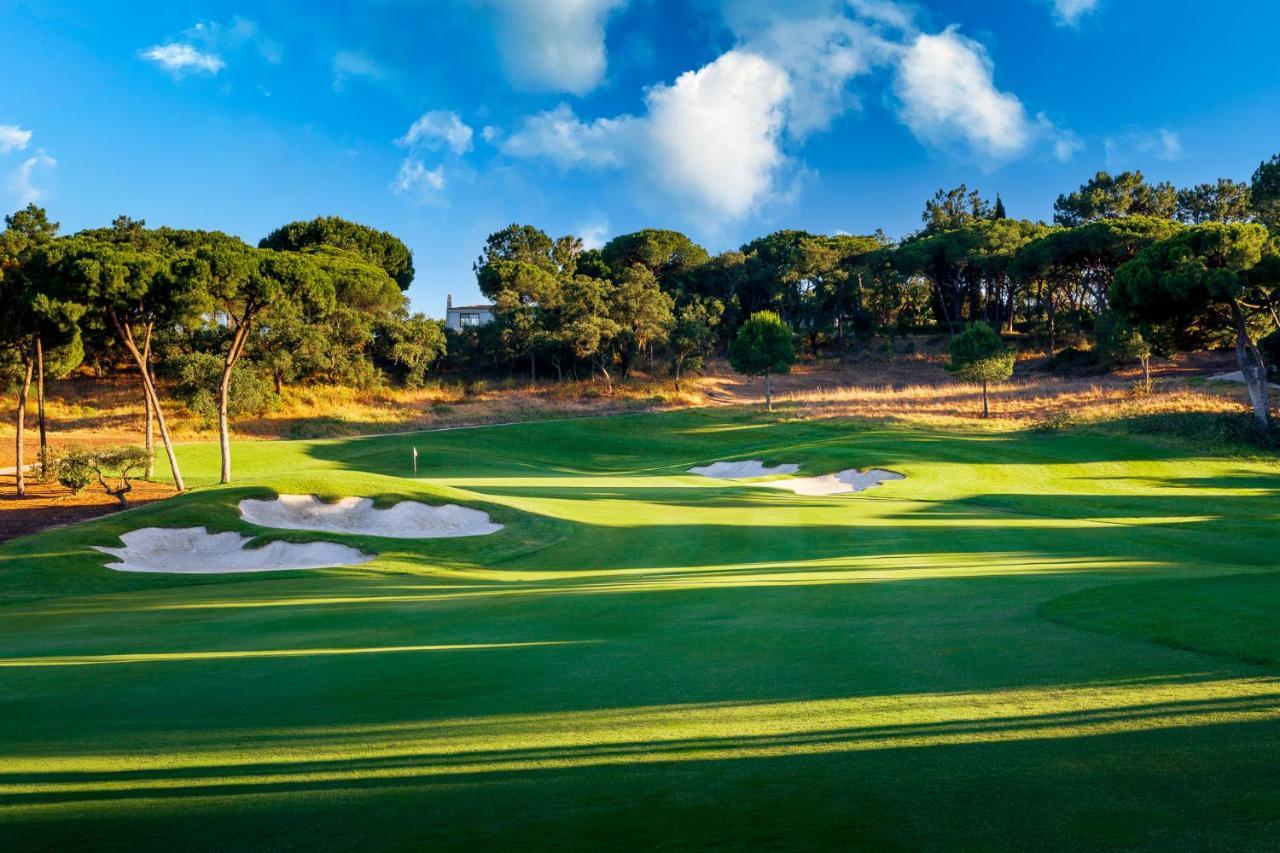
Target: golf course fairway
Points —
{"points": [[1035, 640]]}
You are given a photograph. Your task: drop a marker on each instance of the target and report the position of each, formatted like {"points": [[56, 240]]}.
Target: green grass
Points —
{"points": [[979, 656]]}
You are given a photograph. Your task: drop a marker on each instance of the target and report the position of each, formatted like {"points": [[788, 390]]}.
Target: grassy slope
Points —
{"points": [[644, 658]]}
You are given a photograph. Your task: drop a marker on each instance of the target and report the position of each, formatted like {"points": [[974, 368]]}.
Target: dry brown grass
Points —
{"points": [[910, 388]]}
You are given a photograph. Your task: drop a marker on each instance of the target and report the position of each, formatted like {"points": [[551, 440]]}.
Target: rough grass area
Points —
{"points": [[648, 659]]}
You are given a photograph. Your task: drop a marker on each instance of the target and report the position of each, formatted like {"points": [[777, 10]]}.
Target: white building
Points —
{"points": [[459, 317]]}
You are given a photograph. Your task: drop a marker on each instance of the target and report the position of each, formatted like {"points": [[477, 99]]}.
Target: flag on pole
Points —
{"points": [[415, 460]]}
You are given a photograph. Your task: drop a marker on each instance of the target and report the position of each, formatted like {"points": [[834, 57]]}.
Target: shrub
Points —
{"points": [[196, 377], [77, 467]]}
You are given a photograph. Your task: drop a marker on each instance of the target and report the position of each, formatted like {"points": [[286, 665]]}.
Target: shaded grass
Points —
{"points": [[649, 659]]}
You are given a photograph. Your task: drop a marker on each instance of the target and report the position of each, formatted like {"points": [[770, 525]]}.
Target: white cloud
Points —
{"points": [[560, 136], [490, 134], [21, 180], [594, 234], [178, 59], [945, 84], [710, 139], [348, 64], [553, 46], [215, 37], [714, 134], [436, 130], [422, 185], [821, 57], [1162, 144], [13, 138], [1069, 12]]}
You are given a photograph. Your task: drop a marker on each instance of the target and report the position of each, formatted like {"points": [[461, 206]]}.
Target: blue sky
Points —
{"points": [[443, 120]]}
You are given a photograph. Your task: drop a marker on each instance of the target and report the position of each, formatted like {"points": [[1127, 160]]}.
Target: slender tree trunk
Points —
{"points": [[20, 475], [1146, 372], [677, 375], [234, 351], [126, 338], [986, 409], [44, 436], [1049, 309], [768, 393], [279, 382], [1253, 369], [149, 412]]}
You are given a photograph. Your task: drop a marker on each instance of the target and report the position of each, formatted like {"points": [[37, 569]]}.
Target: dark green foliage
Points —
{"points": [[410, 347], [1270, 348], [979, 355], [1224, 201], [1108, 197], [763, 346], [77, 467], [1265, 192], [195, 384], [380, 248]]}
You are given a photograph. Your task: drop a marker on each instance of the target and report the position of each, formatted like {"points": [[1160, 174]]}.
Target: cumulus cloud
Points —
{"points": [[179, 59], [22, 180], [714, 133], [557, 46], [717, 137], [420, 184], [946, 87], [559, 136], [437, 130], [13, 138], [1068, 13], [711, 138]]}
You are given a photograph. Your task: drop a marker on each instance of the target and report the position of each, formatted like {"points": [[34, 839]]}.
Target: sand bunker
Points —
{"points": [[196, 551], [851, 480], [843, 482], [405, 520], [742, 470]]}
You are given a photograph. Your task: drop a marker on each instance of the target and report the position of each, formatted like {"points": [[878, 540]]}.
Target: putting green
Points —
{"points": [[645, 658]]}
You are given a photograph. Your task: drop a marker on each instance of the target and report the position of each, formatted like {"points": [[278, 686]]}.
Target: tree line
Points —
{"points": [[1136, 267], [321, 300]]}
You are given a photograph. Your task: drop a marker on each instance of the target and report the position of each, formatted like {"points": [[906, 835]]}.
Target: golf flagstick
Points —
{"points": [[415, 460]]}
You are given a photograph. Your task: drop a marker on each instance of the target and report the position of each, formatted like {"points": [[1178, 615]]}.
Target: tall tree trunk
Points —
{"points": [[986, 410], [676, 371], [768, 393], [20, 475], [149, 413], [234, 351], [126, 337], [1253, 369], [44, 436], [1049, 309]]}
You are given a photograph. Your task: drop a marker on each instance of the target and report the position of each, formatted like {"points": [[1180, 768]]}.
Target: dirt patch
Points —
{"points": [[50, 505]]}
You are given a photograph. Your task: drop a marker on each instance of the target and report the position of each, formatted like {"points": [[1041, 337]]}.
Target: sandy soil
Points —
{"points": [[50, 505]]}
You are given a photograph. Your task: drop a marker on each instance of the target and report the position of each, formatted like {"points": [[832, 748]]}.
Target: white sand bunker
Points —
{"points": [[851, 480], [196, 551], [843, 482], [742, 470], [405, 520]]}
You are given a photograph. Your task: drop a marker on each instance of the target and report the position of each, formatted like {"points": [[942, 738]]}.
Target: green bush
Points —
{"points": [[196, 377]]}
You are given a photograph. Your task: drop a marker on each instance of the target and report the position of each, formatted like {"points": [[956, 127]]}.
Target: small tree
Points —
{"points": [[763, 346], [77, 467], [693, 335], [1119, 343], [978, 355]]}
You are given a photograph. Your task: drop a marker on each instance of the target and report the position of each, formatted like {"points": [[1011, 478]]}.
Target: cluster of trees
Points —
{"points": [[319, 300], [1141, 267]]}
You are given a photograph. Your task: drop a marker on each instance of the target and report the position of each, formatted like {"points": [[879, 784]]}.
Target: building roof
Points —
{"points": [[470, 307]]}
